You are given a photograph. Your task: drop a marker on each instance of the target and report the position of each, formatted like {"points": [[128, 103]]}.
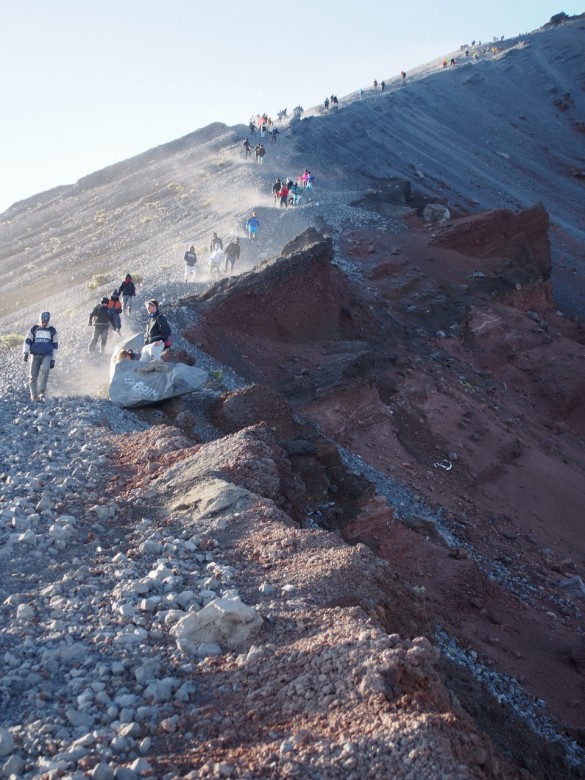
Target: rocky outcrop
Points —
{"points": [[519, 238], [297, 300]]}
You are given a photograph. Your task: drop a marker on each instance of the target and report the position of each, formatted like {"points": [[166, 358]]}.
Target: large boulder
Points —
{"points": [[133, 383], [226, 622]]}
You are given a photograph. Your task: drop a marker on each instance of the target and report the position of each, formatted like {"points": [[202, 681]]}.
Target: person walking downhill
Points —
{"points": [[115, 309], [216, 243], [232, 253], [260, 152], [100, 320], [127, 290], [284, 196], [157, 336], [252, 225], [40, 342], [248, 147], [190, 259]]}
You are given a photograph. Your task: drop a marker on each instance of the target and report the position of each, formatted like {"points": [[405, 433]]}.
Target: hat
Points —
{"points": [[105, 300], [45, 316]]}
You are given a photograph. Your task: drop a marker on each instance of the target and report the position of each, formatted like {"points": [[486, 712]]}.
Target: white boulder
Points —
{"points": [[226, 621]]}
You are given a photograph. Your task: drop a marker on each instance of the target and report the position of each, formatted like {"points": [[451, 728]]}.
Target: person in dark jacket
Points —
{"points": [[127, 291], [100, 319], [190, 259], [216, 243], [232, 253], [157, 335], [41, 342]]}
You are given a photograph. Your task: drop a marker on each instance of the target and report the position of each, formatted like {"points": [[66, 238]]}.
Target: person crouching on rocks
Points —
{"points": [[41, 342], [157, 335], [100, 319]]}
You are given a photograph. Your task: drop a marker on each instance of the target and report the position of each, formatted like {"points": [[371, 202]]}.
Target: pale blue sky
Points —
{"points": [[87, 83]]}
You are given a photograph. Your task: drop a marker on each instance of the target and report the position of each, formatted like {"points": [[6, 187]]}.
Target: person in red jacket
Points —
{"points": [[284, 196]]}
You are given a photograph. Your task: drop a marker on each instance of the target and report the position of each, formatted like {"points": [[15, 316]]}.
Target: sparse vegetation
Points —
{"points": [[175, 187], [12, 340], [97, 280]]}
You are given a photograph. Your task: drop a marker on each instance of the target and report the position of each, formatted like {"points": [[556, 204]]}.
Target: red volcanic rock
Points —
{"points": [[521, 238]]}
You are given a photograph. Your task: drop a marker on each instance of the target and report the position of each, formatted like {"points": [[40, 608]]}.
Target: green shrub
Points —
{"points": [[12, 340]]}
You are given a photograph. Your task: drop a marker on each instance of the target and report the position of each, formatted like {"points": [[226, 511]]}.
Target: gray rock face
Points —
{"points": [[139, 384], [435, 212]]}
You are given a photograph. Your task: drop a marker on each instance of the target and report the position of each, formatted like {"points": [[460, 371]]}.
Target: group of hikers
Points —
{"points": [[287, 193], [41, 343], [108, 313], [218, 257]]}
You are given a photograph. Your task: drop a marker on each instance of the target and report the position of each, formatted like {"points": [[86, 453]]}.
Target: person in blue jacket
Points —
{"points": [[252, 225], [40, 342]]}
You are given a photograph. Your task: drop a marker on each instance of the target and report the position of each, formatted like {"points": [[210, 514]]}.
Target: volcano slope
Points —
{"points": [[389, 457], [448, 372]]}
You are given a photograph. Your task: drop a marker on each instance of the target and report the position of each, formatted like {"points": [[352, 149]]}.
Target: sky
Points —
{"points": [[88, 83]]}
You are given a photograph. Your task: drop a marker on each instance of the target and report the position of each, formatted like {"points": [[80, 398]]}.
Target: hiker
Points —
{"points": [[361, 93], [215, 261], [260, 152], [283, 194], [252, 127], [276, 188], [403, 76], [294, 195], [252, 225], [40, 342], [248, 147], [100, 319], [310, 180], [216, 243], [114, 310], [383, 85], [326, 104], [190, 259], [127, 290], [157, 336], [375, 84], [274, 132], [232, 253]]}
